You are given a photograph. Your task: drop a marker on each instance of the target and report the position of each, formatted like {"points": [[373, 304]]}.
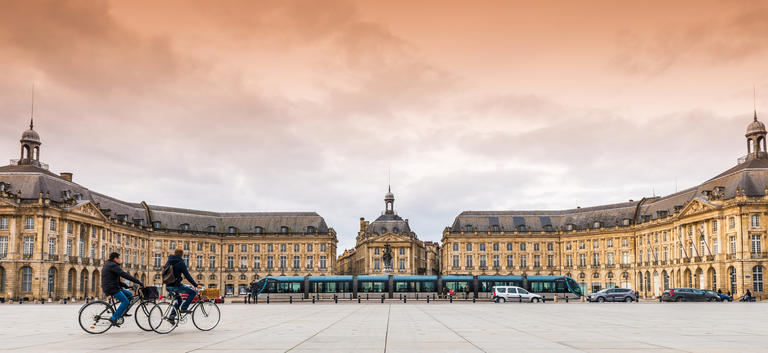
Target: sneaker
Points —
{"points": [[126, 315], [114, 322], [186, 311]]}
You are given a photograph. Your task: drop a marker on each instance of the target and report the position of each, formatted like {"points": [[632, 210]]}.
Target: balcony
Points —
{"points": [[685, 260], [697, 259], [596, 266], [581, 266], [86, 261], [761, 255], [710, 257], [53, 257], [610, 266], [243, 269], [199, 268], [73, 260], [732, 257], [96, 262], [625, 266]]}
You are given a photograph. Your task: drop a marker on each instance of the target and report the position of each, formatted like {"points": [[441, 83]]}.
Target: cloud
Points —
{"points": [[726, 40]]}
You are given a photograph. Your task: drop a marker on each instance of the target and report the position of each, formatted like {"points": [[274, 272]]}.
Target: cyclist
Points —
{"points": [[179, 269], [113, 286]]}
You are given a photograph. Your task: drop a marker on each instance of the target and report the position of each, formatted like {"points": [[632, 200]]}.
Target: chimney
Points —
{"points": [[66, 176]]}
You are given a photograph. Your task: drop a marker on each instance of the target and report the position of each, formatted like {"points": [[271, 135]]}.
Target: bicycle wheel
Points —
{"points": [[206, 316], [141, 315], [94, 317], [163, 317]]}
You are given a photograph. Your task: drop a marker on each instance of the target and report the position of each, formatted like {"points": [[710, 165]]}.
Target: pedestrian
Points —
{"points": [[748, 296], [248, 298]]}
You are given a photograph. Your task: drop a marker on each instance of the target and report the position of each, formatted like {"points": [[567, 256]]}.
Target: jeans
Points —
{"points": [[123, 296], [191, 293]]}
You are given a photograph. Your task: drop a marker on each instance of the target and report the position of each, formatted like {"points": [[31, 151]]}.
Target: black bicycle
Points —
{"points": [[94, 316], [165, 317]]}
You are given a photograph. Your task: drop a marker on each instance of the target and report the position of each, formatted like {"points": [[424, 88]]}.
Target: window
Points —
{"points": [[757, 278], [284, 229], [258, 230], [186, 259], [483, 262], [3, 247], [323, 262], [231, 230], [51, 246], [212, 262], [665, 254], [582, 245], [26, 279], [756, 248], [509, 246], [523, 261], [230, 262], [283, 248], [550, 247], [536, 261], [376, 251], [230, 248], [322, 248], [69, 247], [310, 229], [522, 246], [755, 221], [456, 261], [376, 265], [270, 248], [295, 247], [213, 247], [256, 262], [172, 246], [53, 225], [199, 261], [211, 229], [29, 246], [536, 246], [469, 261], [568, 260], [29, 223], [402, 264], [582, 260], [495, 228], [469, 227], [3, 223], [521, 228], [714, 226], [69, 227], [402, 251], [609, 243], [510, 261], [256, 248], [283, 262], [310, 247], [732, 223], [568, 246], [715, 246], [296, 262], [609, 258], [595, 259], [732, 246], [469, 246], [185, 226], [310, 262], [624, 242], [482, 246], [595, 244], [496, 261]]}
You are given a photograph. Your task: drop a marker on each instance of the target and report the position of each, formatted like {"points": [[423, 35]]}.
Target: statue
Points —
{"points": [[387, 257]]}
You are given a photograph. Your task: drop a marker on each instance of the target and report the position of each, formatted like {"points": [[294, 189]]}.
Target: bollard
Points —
{"points": [[543, 299], [358, 300], [427, 299], [290, 300], [335, 299], [451, 299], [417, 296], [566, 298], [519, 298], [555, 298], [366, 296], [382, 298], [405, 299], [267, 299], [401, 296], [313, 299], [473, 299]]}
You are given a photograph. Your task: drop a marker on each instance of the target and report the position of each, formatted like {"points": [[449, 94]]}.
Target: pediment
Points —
{"points": [[696, 206], [87, 208], [390, 238], [4, 202]]}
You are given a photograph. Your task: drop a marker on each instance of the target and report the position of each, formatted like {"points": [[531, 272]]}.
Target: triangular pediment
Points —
{"points": [[87, 208], [390, 237], [4, 202], [696, 206]]}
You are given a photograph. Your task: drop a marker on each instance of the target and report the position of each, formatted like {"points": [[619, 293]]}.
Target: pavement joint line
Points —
{"points": [[248, 333], [452, 330], [386, 333], [325, 328]]}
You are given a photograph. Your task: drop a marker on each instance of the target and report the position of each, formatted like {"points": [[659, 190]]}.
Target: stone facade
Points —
{"points": [[55, 235], [410, 256], [710, 236]]}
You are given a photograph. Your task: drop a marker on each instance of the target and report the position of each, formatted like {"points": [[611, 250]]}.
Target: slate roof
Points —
{"points": [[751, 175], [31, 180], [388, 223]]}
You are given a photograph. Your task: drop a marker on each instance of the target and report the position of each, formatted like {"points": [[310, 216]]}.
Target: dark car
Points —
{"points": [[689, 295], [613, 295]]}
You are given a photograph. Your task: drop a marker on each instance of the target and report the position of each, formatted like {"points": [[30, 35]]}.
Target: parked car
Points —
{"points": [[501, 294], [613, 295], [720, 297], [689, 295]]}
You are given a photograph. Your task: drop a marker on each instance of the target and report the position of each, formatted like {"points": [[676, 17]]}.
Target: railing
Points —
{"points": [[53, 257], [27, 256], [625, 266], [697, 259], [73, 260], [710, 257], [86, 261], [731, 256], [242, 269], [761, 255], [610, 266], [685, 260]]}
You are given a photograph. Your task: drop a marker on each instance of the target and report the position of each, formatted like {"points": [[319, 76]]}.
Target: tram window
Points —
{"points": [[560, 286]]}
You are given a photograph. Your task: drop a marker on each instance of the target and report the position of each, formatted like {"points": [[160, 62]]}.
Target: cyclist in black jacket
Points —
{"points": [[111, 285], [179, 269]]}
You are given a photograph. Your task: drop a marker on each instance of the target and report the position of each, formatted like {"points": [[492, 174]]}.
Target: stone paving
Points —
{"points": [[397, 327]]}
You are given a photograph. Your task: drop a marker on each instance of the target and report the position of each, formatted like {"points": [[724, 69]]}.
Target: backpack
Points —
{"points": [[169, 278]]}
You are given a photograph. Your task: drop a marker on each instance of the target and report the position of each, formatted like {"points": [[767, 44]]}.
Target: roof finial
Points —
{"points": [[754, 100], [32, 110], [389, 179]]}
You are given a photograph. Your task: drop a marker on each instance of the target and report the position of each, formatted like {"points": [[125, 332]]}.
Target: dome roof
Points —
{"points": [[755, 126], [388, 224], [30, 136]]}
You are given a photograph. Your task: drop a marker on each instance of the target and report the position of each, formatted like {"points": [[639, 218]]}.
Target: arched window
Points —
{"points": [[211, 229], [582, 275], [732, 276], [25, 152], [757, 278], [469, 227], [212, 277], [310, 229], [242, 277], [395, 230], [36, 154], [229, 277], [184, 226], [648, 281], [283, 229], [26, 279], [258, 230], [714, 280], [609, 275], [232, 230], [70, 280], [596, 225], [666, 280], [2, 280], [521, 228]]}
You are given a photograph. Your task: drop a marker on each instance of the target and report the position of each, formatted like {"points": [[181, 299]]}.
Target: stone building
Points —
{"points": [[708, 236], [55, 234], [409, 254]]}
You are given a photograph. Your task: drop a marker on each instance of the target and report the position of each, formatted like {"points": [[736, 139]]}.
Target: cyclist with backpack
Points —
{"points": [[172, 277]]}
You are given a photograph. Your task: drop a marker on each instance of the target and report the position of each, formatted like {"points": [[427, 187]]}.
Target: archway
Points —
{"points": [[95, 283], [732, 280], [656, 284], [712, 278], [688, 278], [2, 281], [700, 281], [25, 274], [665, 279], [84, 283], [52, 282], [71, 284]]}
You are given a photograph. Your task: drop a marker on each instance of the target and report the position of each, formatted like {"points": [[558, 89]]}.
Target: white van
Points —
{"points": [[501, 294]]}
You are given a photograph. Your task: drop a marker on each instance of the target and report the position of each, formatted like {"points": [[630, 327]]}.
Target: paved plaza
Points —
{"points": [[397, 327]]}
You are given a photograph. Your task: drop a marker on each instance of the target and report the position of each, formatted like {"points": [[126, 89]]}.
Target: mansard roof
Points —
{"points": [[751, 176], [28, 181], [388, 223]]}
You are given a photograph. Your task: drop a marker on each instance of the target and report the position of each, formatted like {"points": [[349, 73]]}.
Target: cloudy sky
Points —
{"points": [[305, 105]]}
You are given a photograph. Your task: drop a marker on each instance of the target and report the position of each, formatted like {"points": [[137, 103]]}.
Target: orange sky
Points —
{"points": [[304, 105]]}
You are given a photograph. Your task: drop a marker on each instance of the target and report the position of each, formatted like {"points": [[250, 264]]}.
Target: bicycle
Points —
{"points": [[165, 317], [94, 316]]}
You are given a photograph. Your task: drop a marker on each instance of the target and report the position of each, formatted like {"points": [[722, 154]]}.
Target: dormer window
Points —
{"points": [[521, 228], [184, 226], [395, 230], [310, 229], [569, 227], [284, 229], [258, 230], [495, 228], [596, 225], [211, 229], [383, 230], [646, 218], [469, 227], [138, 222], [156, 224], [625, 222], [232, 230], [548, 228]]}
